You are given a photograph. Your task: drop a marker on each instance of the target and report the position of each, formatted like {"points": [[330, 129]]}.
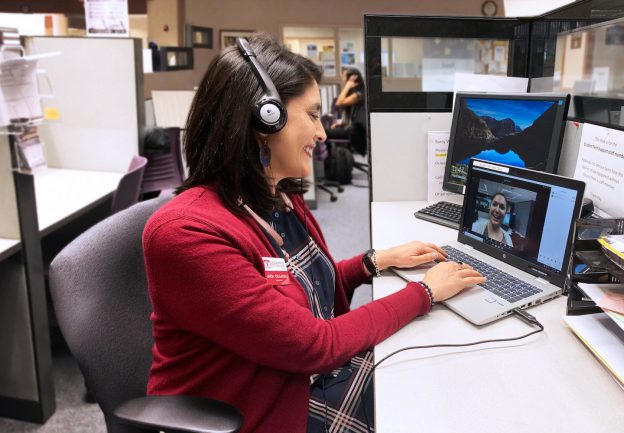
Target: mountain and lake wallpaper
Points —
{"points": [[510, 131]]}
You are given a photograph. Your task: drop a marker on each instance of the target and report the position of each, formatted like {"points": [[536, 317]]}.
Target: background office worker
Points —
{"points": [[492, 226], [351, 101], [226, 326]]}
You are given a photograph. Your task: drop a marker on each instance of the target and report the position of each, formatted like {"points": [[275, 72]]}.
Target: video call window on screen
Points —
{"points": [[519, 130], [523, 217], [511, 208]]}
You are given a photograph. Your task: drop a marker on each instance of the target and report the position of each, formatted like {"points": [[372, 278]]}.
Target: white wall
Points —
{"points": [[399, 153], [95, 93], [529, 8]]}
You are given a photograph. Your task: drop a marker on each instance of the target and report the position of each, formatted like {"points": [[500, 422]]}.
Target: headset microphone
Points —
{"points": [[269, 115]]}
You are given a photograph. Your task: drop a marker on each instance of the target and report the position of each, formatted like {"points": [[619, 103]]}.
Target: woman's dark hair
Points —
{"points": [[503, 196], [355, 113], [359, 87], [220, 144]]}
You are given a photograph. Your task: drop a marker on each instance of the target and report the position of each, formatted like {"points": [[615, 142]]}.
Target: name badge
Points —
{"points": [[276, 271]]}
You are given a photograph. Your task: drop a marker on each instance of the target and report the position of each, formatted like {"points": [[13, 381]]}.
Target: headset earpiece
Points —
{"points": [[269, 115]]}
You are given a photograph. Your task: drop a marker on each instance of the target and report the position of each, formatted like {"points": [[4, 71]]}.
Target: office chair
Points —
{"points": [[357, 144], [165, 169], [127, 193], [129, 187], [318, 164], [99, 290]]}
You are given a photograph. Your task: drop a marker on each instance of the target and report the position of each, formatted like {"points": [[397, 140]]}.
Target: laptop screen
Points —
{"points": [[521, 213]]}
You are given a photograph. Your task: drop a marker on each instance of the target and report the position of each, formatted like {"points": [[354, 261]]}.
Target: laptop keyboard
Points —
{"points": [[498, 282], [443, 212]]}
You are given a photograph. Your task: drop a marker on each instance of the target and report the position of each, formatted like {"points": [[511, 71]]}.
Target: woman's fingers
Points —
{"points": [[437, 248]]}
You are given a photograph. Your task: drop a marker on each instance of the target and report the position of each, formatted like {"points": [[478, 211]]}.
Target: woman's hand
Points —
{"points": [[351, 82], [409, 255], [449, 278]]}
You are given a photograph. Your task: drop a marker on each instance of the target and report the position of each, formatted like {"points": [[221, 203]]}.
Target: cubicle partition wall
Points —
{"points": [[96, 112], [26, 382], [93, 127], [410, 67]]}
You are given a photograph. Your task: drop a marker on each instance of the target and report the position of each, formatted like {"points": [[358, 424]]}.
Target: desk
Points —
{"points": [[8, 247], [55, 196], [63, 194], [548, 382]]}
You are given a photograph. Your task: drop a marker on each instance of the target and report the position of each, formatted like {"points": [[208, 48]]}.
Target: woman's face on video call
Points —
{"points": [[498, 209], [293, 146]]}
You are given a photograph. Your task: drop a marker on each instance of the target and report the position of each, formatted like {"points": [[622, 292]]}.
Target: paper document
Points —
{"points": [[106, 18], [597, 292], [612, 301], [30, 150], [437, 149], [18, 87], [603, 337], [600, 164]]}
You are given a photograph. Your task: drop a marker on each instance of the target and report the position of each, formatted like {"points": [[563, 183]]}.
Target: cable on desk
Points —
{"points": [[530, 319]]}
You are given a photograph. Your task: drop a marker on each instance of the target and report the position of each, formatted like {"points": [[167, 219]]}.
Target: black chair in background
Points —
{"points": [[357, 144], [99, 291], [129, 188], [165, 169]]}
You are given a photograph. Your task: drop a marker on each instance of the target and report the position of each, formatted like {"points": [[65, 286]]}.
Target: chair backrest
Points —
{"points": [[99, 292], [129, 187], [165, 170], [357, 138]]}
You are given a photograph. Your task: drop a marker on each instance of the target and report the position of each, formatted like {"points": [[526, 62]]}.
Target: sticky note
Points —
{"points": [[51, 113]]}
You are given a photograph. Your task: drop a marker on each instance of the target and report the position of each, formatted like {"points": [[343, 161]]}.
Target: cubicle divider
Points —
{"points": [[93, 128], [410, 66], [399, 153], [26, 382], [96, 115]]}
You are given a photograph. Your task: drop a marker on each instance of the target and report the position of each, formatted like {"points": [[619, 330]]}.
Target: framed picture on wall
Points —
{"points": [[197, 37], [228, 37]]}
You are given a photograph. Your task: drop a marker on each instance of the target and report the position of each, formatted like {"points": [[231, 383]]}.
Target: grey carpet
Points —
{"points": [[345, 224]]}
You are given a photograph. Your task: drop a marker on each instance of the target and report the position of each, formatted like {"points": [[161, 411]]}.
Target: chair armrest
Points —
{"points": [[180, 413]]}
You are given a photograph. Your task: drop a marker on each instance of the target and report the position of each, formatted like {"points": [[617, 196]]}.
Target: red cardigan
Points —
{"points": [[221, 331]]}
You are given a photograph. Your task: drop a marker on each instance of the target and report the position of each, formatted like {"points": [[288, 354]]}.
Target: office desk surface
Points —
{"points": [[8, 247], [549, 382], [63, 194]]}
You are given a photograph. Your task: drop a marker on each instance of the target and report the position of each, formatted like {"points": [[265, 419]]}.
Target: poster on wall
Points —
{"points": [[328, 60], [107, 18], [312, 50]]}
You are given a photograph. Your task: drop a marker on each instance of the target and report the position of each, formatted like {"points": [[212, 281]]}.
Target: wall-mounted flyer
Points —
{"points": [[107, 18], [437, 148], [600, 165]]}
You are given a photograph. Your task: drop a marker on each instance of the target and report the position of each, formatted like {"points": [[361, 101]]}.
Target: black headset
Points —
{"points": [[269, 115]]}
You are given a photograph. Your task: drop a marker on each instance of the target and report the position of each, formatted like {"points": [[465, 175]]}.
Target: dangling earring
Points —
{"points": [[265, 153]]}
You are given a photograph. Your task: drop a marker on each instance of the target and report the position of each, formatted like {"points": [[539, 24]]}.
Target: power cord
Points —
{"points": [[529, 318]]}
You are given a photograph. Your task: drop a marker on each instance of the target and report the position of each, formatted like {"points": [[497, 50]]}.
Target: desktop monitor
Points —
{"points": [[522, 130]]}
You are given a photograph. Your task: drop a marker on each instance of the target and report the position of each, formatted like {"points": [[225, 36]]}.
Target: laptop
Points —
{"points": [[516, 229]]}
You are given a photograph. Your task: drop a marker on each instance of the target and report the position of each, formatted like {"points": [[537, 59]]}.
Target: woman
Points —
{"points": [[491, 228], [229, 322], [351, 101]]}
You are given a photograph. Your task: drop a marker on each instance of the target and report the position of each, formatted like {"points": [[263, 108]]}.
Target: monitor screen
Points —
{"points": [[522, 130]]}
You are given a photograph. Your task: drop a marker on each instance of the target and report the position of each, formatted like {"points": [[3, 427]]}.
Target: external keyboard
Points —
{"points": [[498, 282], [443, 212]]}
